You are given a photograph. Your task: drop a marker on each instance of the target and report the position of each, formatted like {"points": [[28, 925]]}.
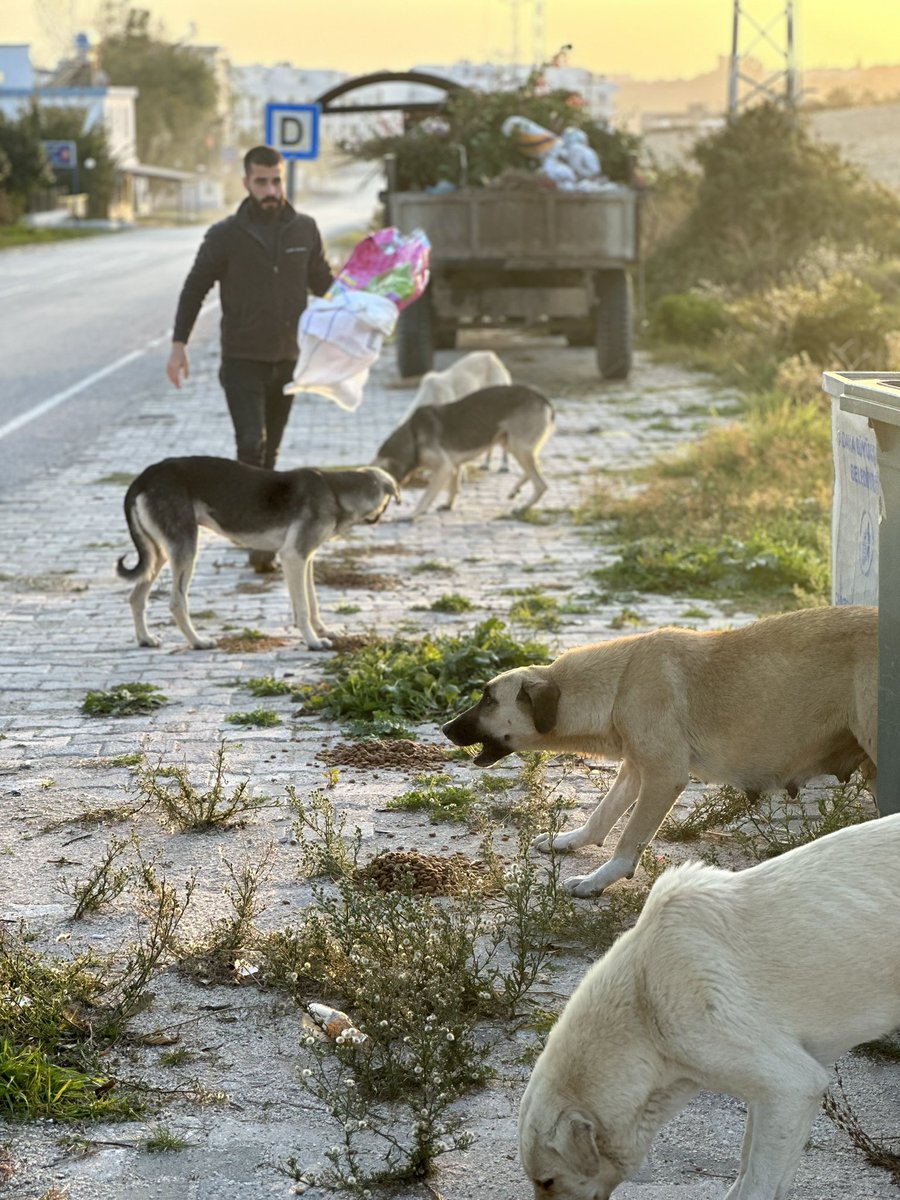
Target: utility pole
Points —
{"points": [[749, 34]]}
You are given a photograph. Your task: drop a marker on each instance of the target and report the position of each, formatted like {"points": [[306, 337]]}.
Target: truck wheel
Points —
{"points": [[415, 338], [613, 340]]}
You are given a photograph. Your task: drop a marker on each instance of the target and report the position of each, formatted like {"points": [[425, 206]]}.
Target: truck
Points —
{"points": [[503, 255]]}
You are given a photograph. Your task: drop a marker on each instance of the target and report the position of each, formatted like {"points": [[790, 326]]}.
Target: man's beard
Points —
{"points": [[268, 209]]}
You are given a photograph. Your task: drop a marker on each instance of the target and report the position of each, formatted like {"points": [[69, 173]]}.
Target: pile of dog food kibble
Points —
{"points": [[385, 752], [426, 874]]}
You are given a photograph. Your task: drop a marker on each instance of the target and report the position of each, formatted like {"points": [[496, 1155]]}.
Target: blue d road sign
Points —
{"points": [[293, 129], [62, 155]]}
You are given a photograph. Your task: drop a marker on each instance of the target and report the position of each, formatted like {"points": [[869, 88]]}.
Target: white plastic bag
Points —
{"points": [[340, 338]]}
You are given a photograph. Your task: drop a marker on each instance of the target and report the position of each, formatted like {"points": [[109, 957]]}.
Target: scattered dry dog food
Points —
{"points": [[252, 644], [339, 575], [427, 874], [347, 643], [385, 752]]}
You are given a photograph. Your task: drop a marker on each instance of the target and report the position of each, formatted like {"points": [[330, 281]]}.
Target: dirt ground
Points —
{"points": [[237, 1098]]}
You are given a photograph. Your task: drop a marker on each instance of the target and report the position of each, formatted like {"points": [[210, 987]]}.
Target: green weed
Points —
{"points": [[162, 1140], [451, 602], [188, 807], [261, 718], [393, 682], [440, 798], [32, 1087], [123, 700]]}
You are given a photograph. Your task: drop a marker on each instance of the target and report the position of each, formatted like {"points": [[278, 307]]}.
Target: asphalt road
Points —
{"points": [[86, 326]]}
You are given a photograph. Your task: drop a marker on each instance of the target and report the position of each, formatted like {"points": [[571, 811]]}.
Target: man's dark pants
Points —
{"points": [[259, 409]]}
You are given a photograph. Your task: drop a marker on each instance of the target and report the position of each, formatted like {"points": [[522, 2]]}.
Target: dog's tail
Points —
{"points": [[147, 549]]}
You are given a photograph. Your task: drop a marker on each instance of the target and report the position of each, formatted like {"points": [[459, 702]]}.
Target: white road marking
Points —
{"points": [[52, 402]]}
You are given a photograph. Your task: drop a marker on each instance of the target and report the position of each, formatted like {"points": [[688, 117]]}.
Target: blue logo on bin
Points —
{"points": [[866, 544]]}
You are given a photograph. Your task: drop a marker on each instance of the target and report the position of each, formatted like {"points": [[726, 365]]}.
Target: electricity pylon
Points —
{"points": [[748, 34]]}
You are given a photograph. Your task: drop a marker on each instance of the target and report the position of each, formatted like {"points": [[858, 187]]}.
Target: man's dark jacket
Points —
{"points": [[264, 276]]}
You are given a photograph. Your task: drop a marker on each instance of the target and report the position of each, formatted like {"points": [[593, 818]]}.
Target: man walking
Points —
{"points": [[266, 258]]}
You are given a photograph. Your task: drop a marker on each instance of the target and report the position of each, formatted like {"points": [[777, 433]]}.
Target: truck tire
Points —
{"points": [[613, 328], [415, 338]]}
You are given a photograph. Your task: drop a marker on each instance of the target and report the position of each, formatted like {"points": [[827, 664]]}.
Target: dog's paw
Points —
{"points": [[203, 644], [319, 643], [151, 642], [561, 843], [583, 886]]}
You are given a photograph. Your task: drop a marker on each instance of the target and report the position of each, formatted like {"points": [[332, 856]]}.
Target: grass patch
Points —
{"points": [[123, 700], [432, 566], [744, 511], [268, 685], [162, 1140], [26, 235], [537, 610], [439, 797], [260, 718], [451, 602], [115, 760], [395, 681], [33, 1087]]}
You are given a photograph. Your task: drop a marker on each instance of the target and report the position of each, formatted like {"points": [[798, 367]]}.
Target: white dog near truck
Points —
{"points": [[474, 371], [749, 983]]}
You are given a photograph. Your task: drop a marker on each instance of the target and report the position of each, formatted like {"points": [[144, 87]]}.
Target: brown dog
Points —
{"points": [[764, 707]]}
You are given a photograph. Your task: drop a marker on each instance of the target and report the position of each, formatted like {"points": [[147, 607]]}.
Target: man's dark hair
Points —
{"points": [[261, 156]]}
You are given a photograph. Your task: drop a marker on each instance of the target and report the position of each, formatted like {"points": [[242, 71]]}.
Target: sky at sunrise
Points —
{"points": [[647, 39]]}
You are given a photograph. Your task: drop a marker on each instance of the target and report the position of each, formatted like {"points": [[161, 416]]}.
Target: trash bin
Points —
{"points": [[866, 536]]}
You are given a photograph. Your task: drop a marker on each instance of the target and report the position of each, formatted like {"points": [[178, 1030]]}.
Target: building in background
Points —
{"points": [[78, 83]]}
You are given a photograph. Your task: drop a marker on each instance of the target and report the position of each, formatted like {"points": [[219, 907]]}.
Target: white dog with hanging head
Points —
{"points": [[749, 983], [471, 373]]}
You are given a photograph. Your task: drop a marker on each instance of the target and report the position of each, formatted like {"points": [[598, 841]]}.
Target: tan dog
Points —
{"points": [[764, 707], [749, 983]]}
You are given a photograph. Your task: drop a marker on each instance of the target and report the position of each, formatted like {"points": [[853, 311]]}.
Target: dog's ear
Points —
{"points": [[575, 1139], [543, 696]]}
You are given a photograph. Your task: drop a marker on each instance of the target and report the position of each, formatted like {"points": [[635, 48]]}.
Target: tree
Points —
{"points": [[176, 105], [98, 181], [23, 165], [767, 196]]}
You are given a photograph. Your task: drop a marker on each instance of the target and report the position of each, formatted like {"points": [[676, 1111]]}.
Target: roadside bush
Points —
{"points": [[768, 195], [689, 318], [844, 322]]}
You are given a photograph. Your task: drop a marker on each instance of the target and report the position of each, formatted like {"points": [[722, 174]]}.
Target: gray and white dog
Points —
{"points": [[291, 512], [440, 438]]}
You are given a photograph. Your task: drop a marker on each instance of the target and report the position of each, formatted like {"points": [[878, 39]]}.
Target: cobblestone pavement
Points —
{"points": [[65, 628]]}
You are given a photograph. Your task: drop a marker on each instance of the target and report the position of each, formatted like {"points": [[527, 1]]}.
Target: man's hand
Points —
{"points": [[178, 364]]}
